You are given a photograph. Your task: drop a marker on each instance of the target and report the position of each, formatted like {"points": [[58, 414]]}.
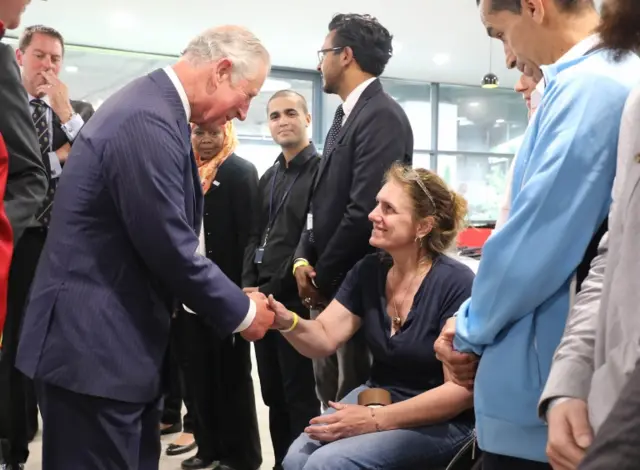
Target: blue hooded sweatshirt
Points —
{"points": [[561, 193]]}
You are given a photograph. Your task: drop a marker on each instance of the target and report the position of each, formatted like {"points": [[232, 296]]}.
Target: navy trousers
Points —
{"points": [[82, 432]]}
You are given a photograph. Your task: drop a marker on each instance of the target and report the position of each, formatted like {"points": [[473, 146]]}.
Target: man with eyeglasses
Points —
{"points": [[369, 132]]}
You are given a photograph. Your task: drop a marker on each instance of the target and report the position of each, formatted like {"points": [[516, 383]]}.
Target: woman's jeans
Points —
{"points": [[428, 447]]}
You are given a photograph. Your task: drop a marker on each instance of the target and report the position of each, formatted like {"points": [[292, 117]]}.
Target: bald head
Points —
{"points": [[297, 97]]}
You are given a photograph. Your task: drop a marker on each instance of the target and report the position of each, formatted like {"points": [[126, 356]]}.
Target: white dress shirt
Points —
{"points": [[353, 98], [201, 250]]}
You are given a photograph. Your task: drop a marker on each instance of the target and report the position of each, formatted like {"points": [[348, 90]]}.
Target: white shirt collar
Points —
{"points": [[575, 52], [180, 89], [581, 48], [354, 96], [44, 99]]}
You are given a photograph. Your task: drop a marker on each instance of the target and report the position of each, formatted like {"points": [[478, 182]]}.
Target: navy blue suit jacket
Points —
{"points": [[121, 252]]}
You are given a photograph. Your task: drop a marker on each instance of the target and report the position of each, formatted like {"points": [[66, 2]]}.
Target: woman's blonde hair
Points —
{"points": [[431, 197]]}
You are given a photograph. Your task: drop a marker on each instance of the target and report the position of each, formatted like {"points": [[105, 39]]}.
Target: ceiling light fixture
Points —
{"points": [[499, 121], [71, 69], [474, 104], [490, 80]]}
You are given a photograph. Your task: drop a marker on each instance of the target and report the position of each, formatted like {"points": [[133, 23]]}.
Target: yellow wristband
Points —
{"points": [[298, 263], [296, 319]]}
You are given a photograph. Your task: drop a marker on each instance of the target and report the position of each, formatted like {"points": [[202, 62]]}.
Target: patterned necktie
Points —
{"points": [[334, 130], [42, 128]]}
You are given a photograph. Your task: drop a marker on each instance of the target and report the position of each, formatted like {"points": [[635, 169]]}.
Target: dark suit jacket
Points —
{"points": [[27, 180], [228, 212], [121, 250], [85, 110], [376, 134]]}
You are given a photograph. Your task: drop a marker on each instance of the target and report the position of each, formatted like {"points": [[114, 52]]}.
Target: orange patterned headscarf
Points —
{"points": [[209, 169]]}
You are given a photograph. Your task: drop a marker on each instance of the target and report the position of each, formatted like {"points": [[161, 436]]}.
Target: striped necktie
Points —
{"points": [[42, 128]]}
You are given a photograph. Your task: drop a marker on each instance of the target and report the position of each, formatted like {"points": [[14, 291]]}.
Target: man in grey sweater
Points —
{"points": [[601, 343]]}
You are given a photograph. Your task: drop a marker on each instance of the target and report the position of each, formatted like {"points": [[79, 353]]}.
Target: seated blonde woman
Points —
{"points": [[401, 299]]}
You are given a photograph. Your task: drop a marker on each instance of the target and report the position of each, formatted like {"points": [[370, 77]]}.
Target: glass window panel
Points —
{"points": [[475, 119], [415, 99], [261, 154], [482, 180], [422, 160]]}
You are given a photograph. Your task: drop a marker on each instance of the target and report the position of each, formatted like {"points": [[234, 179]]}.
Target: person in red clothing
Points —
{"points": [[6, 234]]}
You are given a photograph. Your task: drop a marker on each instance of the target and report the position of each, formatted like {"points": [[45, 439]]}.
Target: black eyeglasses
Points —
{"points": [[323, 52]]}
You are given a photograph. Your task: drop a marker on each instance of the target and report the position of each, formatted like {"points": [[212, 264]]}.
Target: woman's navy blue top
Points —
{"points": [[405, 364]]}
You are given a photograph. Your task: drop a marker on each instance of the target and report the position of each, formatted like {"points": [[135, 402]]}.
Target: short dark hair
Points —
{"points": [[515, 6], [289, 94], [27, 36], [620, 27], [366, 37]]}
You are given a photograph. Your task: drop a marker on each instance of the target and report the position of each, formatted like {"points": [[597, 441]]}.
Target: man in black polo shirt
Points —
{"points": [[286, 377]]}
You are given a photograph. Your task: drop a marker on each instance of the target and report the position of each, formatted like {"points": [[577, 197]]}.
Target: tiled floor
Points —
{"points": [[173, 463]]}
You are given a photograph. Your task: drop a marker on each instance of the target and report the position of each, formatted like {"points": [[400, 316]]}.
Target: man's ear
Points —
{"points": [[223, 69], [19, 56], [534, 9]]}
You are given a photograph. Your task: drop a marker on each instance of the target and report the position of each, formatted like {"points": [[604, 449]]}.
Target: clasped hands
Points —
{"points": [[270, 314], [347, 421], [461, 367], [264, 318], [307, 290]]}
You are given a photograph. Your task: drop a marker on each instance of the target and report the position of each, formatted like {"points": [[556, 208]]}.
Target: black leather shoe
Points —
{"points": [[175, 449], [174, 428], [196, 463]]}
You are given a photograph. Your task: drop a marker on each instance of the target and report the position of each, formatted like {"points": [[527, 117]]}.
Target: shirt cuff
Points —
{"points": [[552, 403], [248, 320], [73, 126], [55, 165]]}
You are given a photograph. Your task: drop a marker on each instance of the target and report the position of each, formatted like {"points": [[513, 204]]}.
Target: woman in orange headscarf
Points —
{"points": [[211, 150]]}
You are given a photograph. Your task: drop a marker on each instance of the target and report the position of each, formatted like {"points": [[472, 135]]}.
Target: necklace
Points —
{"points": [[397, 320]]}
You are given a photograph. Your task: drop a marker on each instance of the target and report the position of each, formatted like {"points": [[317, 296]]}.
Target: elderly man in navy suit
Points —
{"points": [[122, 254]]}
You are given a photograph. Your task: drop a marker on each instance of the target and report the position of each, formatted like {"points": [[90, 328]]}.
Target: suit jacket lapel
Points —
{"points": [[324, 162], [171, 96], [198, 196]]}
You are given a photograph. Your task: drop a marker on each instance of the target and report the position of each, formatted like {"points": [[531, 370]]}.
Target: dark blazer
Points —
{"points": [[228, 211], [122, 250], [376, 134], [27, 180], [85, 110]]}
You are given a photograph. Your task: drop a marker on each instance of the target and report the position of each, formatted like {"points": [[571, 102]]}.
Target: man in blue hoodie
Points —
{"points": [[560, 198]]}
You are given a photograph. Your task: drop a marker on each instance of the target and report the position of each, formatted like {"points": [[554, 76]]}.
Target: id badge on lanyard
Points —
{"points": [[259, 254]]}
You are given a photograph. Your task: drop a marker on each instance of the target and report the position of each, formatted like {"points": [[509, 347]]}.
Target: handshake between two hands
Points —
{"points": [[270, 314]]}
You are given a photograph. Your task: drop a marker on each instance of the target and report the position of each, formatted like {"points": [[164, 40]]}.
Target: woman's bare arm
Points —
{"points": [[433, 406], [320, 337]]}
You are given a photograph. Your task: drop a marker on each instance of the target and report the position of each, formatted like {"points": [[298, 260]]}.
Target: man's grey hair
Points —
{"points": [[238, 44]]}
